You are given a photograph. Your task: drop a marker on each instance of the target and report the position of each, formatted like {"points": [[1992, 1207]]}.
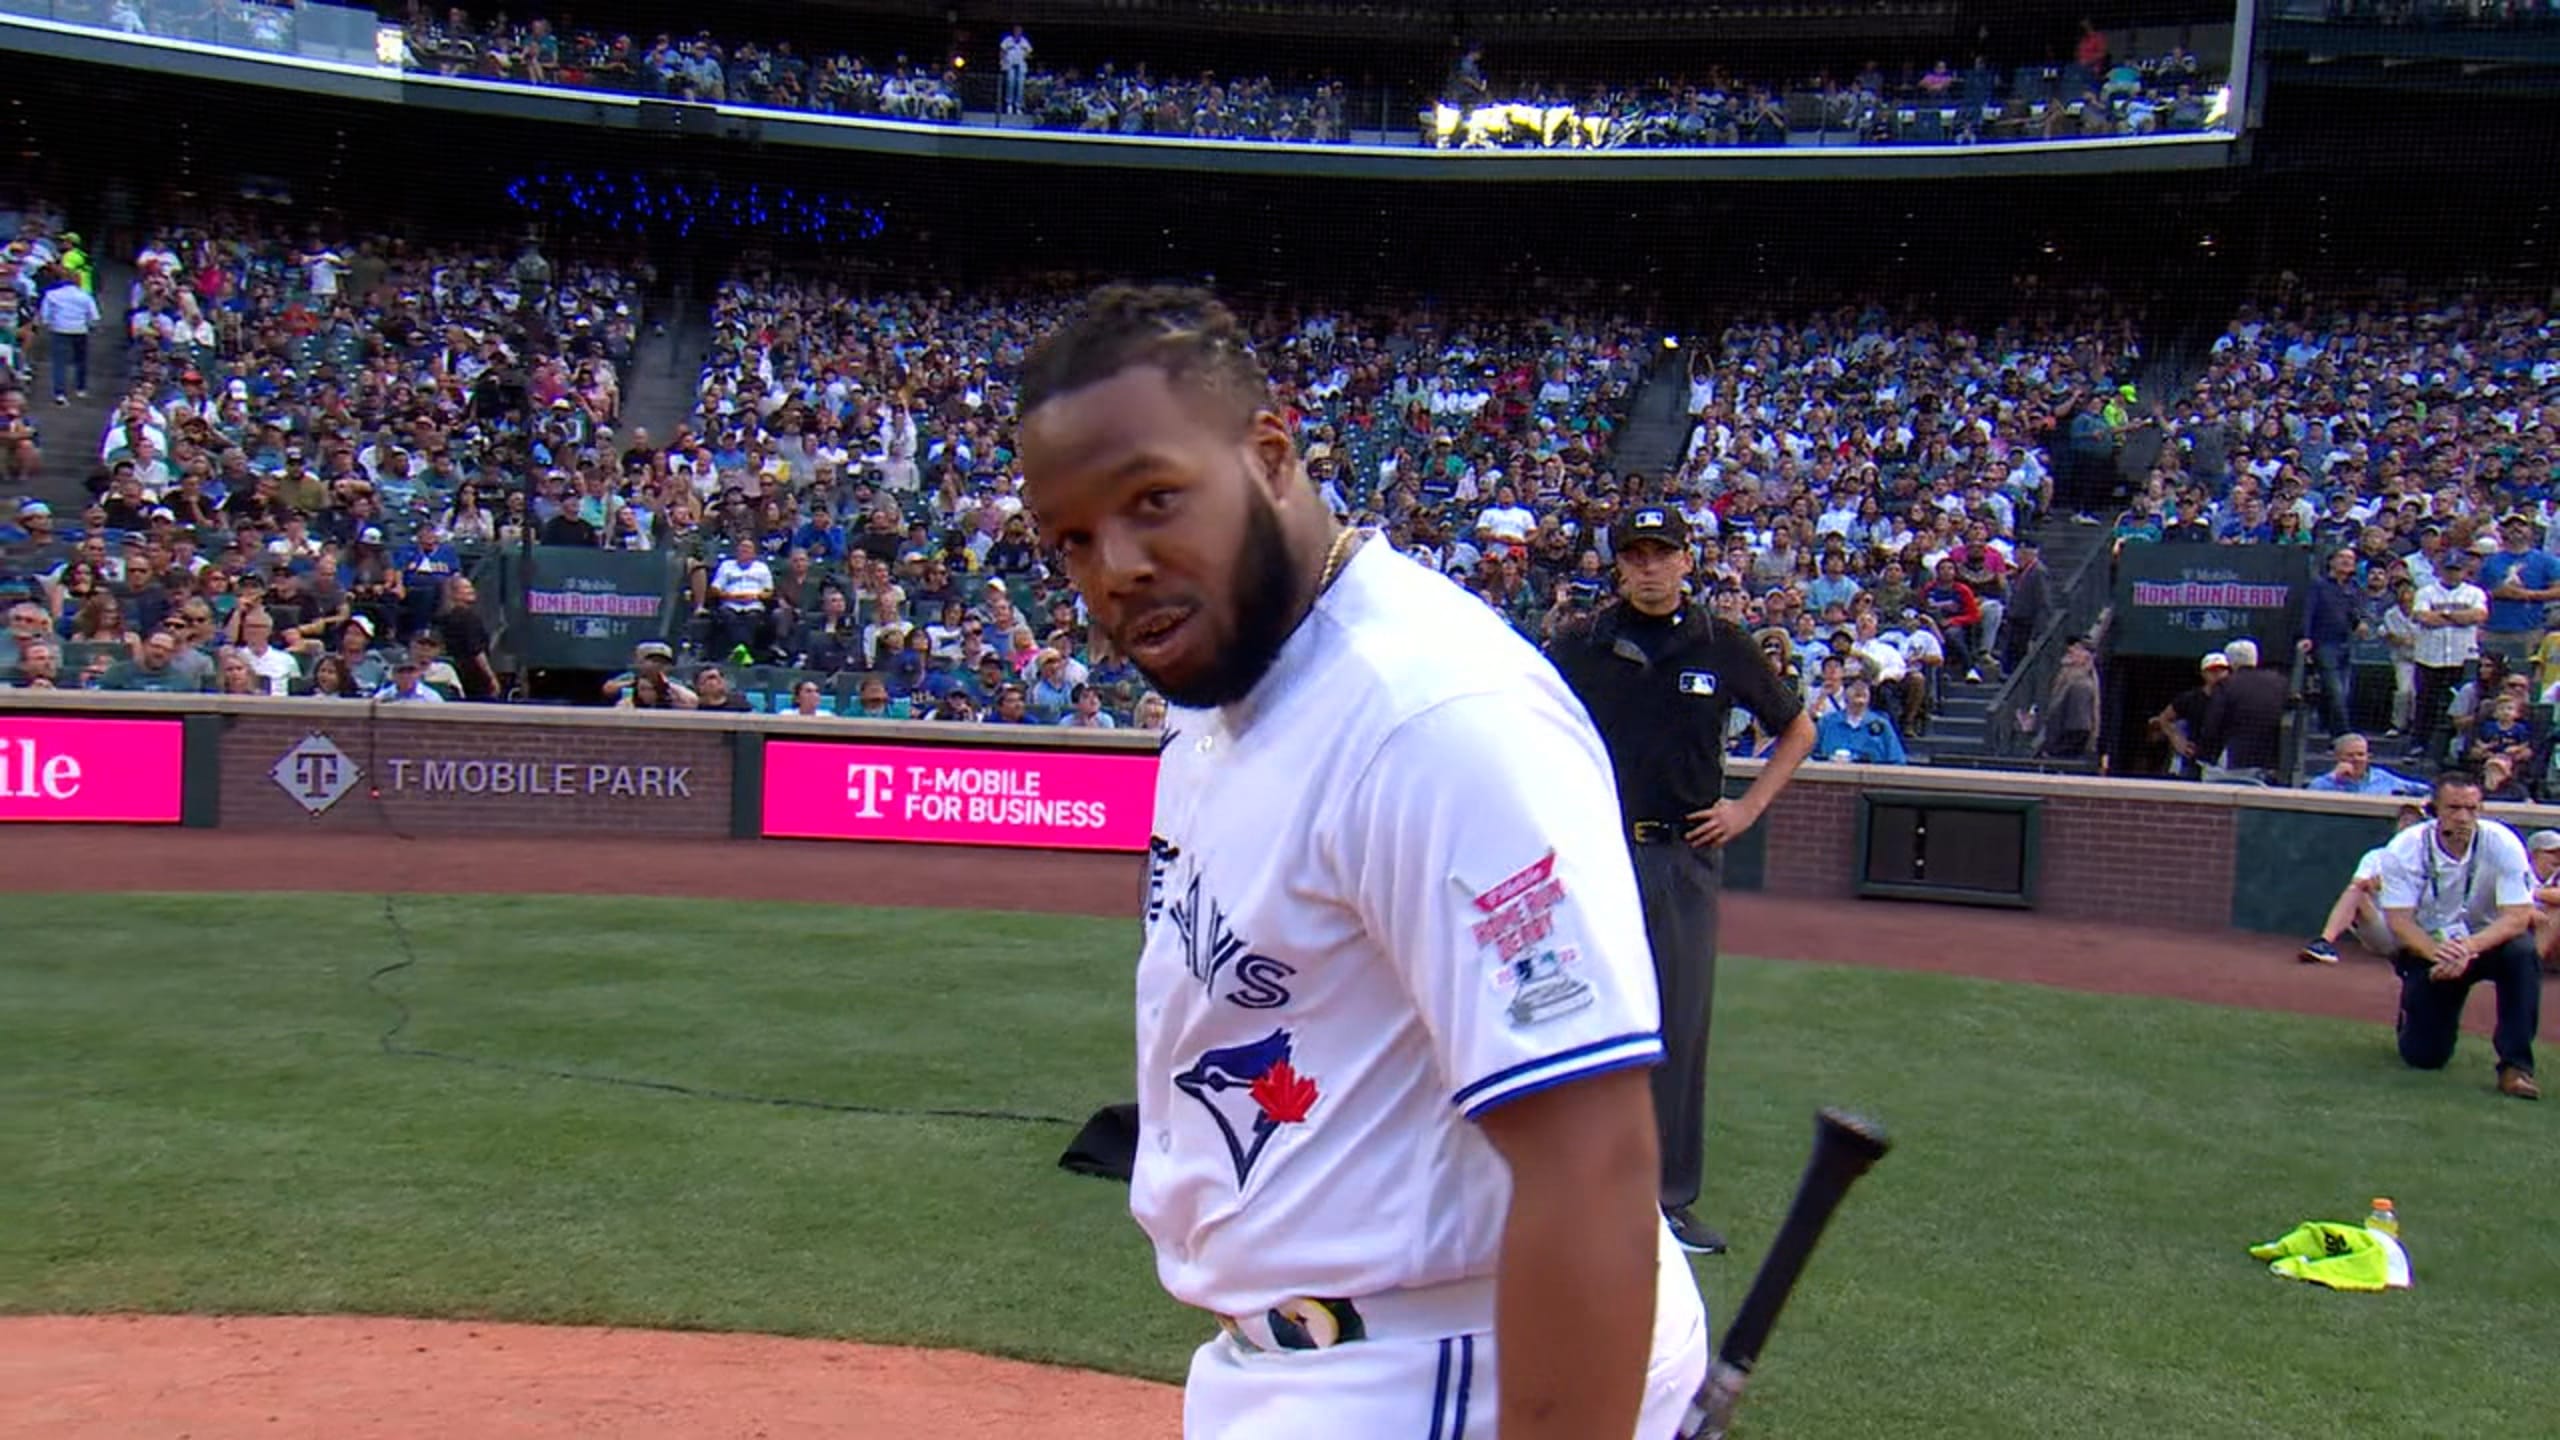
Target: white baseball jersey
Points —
{"points": [[2451, 896], [1389, 894]]}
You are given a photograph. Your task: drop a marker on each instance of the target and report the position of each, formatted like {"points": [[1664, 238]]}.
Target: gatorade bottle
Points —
{"points": [[2383, 1218]]}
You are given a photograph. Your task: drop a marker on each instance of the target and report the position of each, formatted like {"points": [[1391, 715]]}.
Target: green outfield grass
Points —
{"points": [[195, 1115]]}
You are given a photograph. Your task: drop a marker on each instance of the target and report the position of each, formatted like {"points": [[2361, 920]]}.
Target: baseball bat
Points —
{"points": [[1844, 1148]]}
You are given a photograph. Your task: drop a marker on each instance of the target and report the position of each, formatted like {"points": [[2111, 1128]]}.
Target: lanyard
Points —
{"points": [[2470, 867]]}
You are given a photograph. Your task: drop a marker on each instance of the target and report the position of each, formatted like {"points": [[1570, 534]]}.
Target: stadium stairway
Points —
{"points": [[1958, 729], [71, 433], [1657, 430], [658, 394]]}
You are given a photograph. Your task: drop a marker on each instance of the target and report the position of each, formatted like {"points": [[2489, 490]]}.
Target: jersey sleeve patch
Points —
{"points": [[1516, 912], [1494, 877]]}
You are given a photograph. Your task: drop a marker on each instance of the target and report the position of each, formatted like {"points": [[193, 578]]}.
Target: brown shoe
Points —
{"points": [[2517, 1083]]}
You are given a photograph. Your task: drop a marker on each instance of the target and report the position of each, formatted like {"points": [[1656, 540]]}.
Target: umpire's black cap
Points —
{"points": [[1659, 524]]}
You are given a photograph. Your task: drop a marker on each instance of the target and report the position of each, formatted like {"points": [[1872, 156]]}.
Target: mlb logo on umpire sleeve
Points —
{"points": [[1697, 682]]}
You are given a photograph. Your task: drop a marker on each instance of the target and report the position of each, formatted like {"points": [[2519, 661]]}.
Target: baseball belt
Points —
{"points": [[1655, 832], [1430, 1312]]}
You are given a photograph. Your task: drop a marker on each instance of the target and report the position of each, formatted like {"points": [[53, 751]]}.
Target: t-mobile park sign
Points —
{"points": [[317, 774]]}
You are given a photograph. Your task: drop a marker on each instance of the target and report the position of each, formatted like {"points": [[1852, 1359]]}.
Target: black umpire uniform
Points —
{"points": [[1659, 688]]}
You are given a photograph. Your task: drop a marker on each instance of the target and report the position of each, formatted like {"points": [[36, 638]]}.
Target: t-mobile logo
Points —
{"points": [[866, 786]]}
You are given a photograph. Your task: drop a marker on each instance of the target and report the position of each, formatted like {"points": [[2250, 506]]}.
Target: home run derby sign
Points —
{"points": [[2185, 600]]}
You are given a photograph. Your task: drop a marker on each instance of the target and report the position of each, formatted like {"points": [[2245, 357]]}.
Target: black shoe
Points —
{"points": [[1695, 1235]]}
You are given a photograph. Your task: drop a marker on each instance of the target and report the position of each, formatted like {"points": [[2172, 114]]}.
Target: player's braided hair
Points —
{"points": [[1183, 330]]}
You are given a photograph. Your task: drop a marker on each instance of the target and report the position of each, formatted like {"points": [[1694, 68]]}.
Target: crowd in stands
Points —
{"points": [[322, 434], [297, 464], [1865, 483], [859, 510], [1204, 107], [2409, 445], [677, 67], [1111, 100], [2429, 14], [2097, 93]]}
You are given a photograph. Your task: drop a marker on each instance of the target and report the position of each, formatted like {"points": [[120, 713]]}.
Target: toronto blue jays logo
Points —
{"points": [[1274, 1094], [1210, 946]]}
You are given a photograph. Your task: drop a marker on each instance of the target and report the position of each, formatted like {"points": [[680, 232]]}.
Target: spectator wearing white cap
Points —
{"points": [[2542, 847], [2180, 723], [2244, 721], [356, 655], [33, 526]]}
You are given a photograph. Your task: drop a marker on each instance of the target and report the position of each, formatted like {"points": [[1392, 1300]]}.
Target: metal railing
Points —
{"points": [[2080, 603]]}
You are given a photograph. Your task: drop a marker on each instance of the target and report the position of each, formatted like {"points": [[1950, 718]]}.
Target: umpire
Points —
{"points": [[1660, 676]]}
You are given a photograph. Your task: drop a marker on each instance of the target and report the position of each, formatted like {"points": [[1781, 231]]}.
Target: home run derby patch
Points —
{"points": [[1517, 911]]}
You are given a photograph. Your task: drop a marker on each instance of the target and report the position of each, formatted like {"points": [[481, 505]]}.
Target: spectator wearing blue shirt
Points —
{"points": [[1832, 587], [2352, 772], [2330, 624], [2520, 579], [1855, 733], [1013, 707], [425, 564], [820, 537]]}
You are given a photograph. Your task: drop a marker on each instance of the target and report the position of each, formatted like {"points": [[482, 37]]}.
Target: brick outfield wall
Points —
{"points": [[663, 783], [2158, 863]]}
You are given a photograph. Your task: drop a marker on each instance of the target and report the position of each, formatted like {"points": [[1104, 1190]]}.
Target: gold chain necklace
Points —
{"points": [[1343, 545]]}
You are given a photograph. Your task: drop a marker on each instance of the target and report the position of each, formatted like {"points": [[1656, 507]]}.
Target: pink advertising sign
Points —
{"points": [[938, 795], [118, 772]]}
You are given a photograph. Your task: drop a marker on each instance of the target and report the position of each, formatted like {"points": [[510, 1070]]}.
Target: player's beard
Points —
{"points": [[1264, 601]]}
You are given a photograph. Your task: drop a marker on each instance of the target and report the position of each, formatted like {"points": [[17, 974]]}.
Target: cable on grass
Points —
{"points": [[392, 1044]]}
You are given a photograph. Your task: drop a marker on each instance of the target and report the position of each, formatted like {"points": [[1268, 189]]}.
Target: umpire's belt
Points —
{"points": [[1432, 1312], [1656, 832]]}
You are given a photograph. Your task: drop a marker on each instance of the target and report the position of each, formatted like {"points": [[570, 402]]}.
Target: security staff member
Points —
{"points": [[1659, 675]]}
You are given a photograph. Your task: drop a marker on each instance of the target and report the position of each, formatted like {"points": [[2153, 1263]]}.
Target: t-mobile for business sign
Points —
{"points": [[111, 772], [1040, 799]]}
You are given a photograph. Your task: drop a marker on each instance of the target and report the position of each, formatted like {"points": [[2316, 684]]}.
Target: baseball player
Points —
{"points": [[1395, 1011]]}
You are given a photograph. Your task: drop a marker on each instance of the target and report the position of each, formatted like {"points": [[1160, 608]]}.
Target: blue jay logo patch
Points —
{"points": [[1272, 1094]]}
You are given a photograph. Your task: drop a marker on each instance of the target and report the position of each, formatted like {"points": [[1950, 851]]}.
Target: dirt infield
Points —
{"points": [[336, 1378], [342, 1378]]}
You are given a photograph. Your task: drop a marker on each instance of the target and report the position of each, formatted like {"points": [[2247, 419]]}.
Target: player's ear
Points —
{"points": [[1275, 453]]}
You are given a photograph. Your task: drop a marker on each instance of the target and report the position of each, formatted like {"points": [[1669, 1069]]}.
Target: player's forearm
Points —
{"points": [[2404, 928], [1574, 1324], [2512, 921]]}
